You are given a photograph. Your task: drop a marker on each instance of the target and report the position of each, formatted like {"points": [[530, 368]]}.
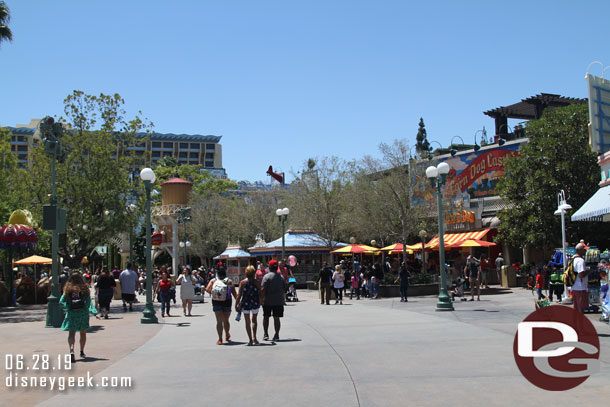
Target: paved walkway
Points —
{"points": [[363, 353]]}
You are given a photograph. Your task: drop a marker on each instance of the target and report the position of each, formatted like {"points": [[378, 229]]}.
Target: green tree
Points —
{"points": [[5, 17], [423, 145], [8, 177], [381, 199], [93, 180], [556, 157]]}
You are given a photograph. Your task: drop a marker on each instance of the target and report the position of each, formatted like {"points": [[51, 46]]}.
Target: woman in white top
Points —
{"points": [[187, 289], [338, 284]]}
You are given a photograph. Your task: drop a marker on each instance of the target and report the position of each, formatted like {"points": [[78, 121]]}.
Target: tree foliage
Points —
{"points": [[93, 182], [381, 197], [556, 157], [317, 199], [5, 17], [422, 144]]}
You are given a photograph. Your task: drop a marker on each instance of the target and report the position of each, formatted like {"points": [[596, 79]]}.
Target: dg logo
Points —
{"points": [[556, 348]]}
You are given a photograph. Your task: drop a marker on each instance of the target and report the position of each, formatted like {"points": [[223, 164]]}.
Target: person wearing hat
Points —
{"points": [[580, 289]]}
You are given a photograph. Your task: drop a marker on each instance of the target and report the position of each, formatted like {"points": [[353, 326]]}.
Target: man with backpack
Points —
{"points": [[555, 283], [326, 273], [272, 294], [580, 289], [473, 268]]}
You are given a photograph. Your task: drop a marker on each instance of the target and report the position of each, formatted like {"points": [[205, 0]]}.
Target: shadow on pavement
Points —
{"points": [[289, 340], [90, 359], [94, 328], [233, 343]]}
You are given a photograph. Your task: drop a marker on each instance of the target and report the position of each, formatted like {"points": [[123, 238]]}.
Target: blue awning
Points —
{"points": [[596, 207]]}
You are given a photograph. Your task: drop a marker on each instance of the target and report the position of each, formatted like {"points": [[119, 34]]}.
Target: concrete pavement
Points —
{"points": [[363, 353]]}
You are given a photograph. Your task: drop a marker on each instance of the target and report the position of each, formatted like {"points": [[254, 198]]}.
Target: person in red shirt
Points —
{"points": [[539, 283], [163, 289]]}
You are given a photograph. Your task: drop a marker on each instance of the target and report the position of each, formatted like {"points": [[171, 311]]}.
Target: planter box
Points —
{"points": [[414, 290]]}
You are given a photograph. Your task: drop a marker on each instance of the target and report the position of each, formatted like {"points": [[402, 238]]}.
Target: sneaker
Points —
{"points": [[82, 354], [219, 342], [341, 302], [228, 338], [265, 337], [276, 337], [402, 300]]}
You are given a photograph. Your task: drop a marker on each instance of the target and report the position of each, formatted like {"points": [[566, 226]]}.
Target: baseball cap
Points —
{"points": [[273, 264]]}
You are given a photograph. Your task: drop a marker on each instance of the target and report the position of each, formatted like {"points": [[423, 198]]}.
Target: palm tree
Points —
{"points": [[5, 17]]}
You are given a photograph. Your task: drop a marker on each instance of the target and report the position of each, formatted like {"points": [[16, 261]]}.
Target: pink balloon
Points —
{"points": [[292, 261]]}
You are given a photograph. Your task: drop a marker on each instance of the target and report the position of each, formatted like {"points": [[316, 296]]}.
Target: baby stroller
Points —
{"points": [[291, 294], [458, 291]]}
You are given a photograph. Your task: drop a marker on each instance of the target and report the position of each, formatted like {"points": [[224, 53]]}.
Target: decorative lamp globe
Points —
{"points": [[147, 174], [431, 172], [443, 168]]}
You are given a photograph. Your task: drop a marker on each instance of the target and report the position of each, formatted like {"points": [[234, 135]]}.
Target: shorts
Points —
{"points": [[276, 310], [250, 311], [580, 300], [128, 297], [221, 308]]}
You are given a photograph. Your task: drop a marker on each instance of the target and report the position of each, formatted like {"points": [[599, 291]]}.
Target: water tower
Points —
{"points": [[174, 200]]}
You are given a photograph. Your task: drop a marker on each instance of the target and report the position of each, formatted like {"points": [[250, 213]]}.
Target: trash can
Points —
{"points": [[509, 276]]}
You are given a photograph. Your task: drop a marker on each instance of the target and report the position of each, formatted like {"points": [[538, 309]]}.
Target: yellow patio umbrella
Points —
{"points": [[355, 248], [33, 260], [396, 248]]}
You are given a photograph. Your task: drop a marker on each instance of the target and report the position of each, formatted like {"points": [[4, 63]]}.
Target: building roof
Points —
{"points": [[296, 240], [153, 136], [233, 252], [531, 108], [176, 180]]}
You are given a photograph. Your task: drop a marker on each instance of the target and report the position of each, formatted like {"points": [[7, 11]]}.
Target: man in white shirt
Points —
{"points": [[129, 281], [580, 289]]}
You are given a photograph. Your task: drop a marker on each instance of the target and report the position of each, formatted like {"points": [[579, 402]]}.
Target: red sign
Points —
{"points": [[156, 239], [485, 163]]}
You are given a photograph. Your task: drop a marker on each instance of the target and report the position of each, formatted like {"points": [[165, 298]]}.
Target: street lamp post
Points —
{"points": [[148, 316], [562, 207], [438, 176], [54, 218], [423, 235], [282, 214]]}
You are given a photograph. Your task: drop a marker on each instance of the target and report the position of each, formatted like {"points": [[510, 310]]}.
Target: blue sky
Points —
{"points": [[282, 81]]}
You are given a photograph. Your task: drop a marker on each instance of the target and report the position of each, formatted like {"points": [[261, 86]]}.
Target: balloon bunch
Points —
{"points": [[18, 237]]}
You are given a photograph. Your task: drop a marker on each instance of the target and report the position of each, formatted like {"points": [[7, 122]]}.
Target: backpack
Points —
{"points": [[569, 276], [76, 301], [474, 269], [220, 290]]}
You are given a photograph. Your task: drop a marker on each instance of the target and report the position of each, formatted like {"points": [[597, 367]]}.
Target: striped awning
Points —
{"points": [[453, 238], [596, 207]]}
